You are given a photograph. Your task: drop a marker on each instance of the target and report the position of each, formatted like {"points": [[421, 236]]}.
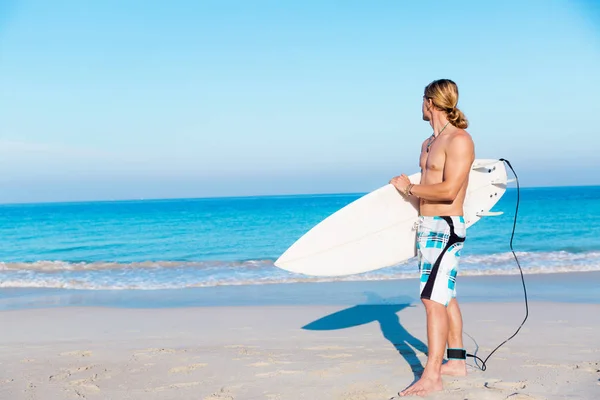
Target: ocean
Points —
{"points": [[193, 243]]}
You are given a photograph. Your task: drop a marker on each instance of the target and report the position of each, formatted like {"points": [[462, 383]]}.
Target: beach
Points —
{"points": [[312, 349]]}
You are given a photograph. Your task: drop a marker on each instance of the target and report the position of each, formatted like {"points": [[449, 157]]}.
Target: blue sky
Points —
{"points": [[135, 99]]}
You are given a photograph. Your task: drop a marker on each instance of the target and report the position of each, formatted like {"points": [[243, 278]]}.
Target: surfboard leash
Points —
{"points": [[483, 362]]}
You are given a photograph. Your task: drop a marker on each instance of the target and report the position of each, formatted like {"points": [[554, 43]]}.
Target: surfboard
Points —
{"points": [[378, 230]]}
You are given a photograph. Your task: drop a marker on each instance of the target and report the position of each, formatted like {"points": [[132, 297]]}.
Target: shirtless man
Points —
{"points": [[446, 159]]}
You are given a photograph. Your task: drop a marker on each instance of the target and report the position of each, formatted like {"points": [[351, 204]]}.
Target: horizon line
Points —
{"points": [[156, 199]]}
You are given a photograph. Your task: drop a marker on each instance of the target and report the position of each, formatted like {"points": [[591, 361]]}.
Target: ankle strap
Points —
{"points": [[457, 354]]}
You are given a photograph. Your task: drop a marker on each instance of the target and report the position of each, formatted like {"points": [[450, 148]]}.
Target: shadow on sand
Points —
{"points": [[385, 312]]}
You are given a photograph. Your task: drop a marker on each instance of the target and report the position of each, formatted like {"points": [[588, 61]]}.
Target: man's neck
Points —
{"points": [[438, 123]]}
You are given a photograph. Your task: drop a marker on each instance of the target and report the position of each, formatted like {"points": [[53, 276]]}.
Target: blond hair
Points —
{"points": [[444, 95]]}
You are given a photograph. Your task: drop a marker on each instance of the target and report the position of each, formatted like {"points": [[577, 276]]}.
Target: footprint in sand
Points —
{"points": [[587, 366], [153, 352], [67, 372], [501, 385], [521, 396], [243, 350], [276, 373], [142, 370], [85, 384], [342, 355], [186, 369], [542, 365], [77, 353], [259, 364], [493, 389], [81, 369], [183, 385], [222, 394], [156, 351]]}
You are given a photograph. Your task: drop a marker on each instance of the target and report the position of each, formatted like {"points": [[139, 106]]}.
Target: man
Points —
{"points": [[446, 159]]}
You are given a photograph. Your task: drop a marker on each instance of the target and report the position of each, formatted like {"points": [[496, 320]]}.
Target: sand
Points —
{"points": [[291, 352]]}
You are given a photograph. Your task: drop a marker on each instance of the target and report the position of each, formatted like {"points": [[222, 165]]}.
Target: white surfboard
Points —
{"points": [[378, 230]]}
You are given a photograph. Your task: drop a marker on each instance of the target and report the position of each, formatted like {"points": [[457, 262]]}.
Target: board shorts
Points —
{"points": [[439, 243]]}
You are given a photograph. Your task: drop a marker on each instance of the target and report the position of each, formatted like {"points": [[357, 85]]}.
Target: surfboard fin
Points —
{"points": [[502, 182], [489, 213], [484, 165]]}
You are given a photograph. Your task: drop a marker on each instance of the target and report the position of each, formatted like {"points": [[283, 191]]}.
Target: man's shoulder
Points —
{"points": [[461, 133], [460, 144], [460, 137]]}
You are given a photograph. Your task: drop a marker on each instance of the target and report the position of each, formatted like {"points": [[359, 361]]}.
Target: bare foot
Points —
{"points": [[455, 368], [423, 387]]}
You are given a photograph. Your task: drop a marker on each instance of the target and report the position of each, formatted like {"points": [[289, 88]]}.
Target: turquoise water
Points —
{"points": [[170, 244]]}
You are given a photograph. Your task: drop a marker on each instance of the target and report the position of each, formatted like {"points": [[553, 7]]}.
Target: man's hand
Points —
{"points": [[400, 183]]}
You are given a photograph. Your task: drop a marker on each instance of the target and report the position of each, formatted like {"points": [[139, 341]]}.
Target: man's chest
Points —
{"points": [[432, 161]]}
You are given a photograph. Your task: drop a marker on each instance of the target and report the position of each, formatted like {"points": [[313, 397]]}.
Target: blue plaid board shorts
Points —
{"points": [[439, 243]]}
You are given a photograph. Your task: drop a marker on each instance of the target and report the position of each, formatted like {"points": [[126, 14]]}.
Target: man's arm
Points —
{"points": [[459, 158]]}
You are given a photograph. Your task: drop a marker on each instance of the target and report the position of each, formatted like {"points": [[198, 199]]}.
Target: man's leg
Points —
{"points": [[437, 336], [455, 340]]}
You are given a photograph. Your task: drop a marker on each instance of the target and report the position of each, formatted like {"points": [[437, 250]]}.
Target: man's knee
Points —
{"points": [[453, 302]]}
